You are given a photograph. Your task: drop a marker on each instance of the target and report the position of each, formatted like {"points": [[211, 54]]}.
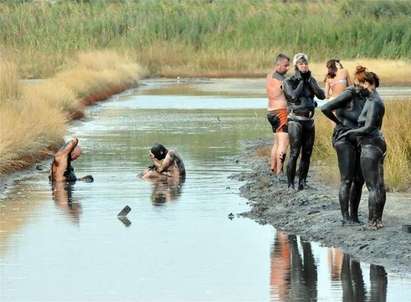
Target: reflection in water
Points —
{"points": [[294, 273], [293, 276], [62, 196], [165, 190]]}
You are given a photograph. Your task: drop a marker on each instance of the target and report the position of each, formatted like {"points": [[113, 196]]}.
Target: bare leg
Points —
{"points": [[281, 150], [274, 153]]}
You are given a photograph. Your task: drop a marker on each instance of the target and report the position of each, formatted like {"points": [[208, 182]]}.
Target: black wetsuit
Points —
{"points": [[299, 91], [373, 150], [348, 106]]}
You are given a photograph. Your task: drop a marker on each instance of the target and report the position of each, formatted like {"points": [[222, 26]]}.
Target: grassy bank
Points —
{"points": [[397, 164], [202, 37], [33, 116]]}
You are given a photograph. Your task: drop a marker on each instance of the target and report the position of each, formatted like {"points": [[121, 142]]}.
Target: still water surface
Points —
{"points": [[178, 243]]}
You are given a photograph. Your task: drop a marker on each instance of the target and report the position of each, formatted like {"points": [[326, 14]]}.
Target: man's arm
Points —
{"points": [[69, 147], [167, 162], [336, 103]]}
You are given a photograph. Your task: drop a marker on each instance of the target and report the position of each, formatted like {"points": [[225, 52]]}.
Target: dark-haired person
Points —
{"points": [[344, 111], [373, 148], [299, 90], [277, 112], [166, 163], [336, 80]]}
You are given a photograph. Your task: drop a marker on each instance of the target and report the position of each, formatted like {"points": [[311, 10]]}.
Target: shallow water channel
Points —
{"points": [[178, 243]]}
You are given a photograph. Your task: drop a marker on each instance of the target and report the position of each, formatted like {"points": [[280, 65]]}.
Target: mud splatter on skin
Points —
{"points": [[314, 213]]}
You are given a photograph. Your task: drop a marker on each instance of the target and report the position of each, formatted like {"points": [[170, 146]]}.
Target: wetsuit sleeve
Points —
{"points": [[319, 93], [290, 93], [338, 102], [371, 122]]}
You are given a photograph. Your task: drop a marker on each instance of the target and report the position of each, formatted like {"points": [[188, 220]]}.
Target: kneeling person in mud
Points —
{"points": [[61, 169], [166, 163]]}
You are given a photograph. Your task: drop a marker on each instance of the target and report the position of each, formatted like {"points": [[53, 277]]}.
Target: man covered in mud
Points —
{"points": [[277, 112], [299, 90], [166, 163], [61, 169]]}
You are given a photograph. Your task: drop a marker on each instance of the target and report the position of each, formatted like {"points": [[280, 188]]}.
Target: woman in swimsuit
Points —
{"points": [[336, 79]]}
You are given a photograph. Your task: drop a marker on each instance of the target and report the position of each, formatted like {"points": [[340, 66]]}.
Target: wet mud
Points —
{"points": [[314, 214]]}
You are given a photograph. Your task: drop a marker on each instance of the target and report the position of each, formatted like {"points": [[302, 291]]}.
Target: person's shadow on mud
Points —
{"points": [[62, 193], [166, 190]]}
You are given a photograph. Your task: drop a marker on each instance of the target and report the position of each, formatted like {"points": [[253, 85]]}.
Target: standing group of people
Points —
{"points": [[356, 111]]}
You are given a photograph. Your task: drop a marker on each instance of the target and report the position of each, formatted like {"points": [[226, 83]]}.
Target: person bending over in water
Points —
{"points": [[166, 163], [373, 148], [336, 80], [299, 91], [61, 169], [344, 111], [277, 112]]}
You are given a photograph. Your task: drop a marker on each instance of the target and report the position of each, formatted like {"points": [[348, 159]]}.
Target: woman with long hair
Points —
{"points": [[344, 111], [336, 80]]}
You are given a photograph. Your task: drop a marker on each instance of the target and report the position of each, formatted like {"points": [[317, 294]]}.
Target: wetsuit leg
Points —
{"points": [[346, 164], [308, 137], [372, 158], [295, 131]]}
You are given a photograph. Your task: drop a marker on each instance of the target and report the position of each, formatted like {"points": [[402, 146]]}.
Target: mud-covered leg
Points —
{"points": [[308, 138], [295, 137]]}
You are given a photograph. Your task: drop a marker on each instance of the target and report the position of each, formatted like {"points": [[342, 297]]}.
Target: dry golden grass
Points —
{"points": [[33, 117]]}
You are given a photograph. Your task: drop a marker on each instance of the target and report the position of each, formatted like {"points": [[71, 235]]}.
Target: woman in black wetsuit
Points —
{"points": [[348, 106], [299, 90], [373, 148]]}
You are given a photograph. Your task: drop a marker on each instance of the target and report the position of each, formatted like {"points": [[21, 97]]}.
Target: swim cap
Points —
{"points": [[159, 151], [300, 56]]}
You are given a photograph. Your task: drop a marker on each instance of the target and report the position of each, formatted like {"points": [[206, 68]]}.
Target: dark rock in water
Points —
{"points": [[227, 188], [87, 178], [39, 167], [125, 221], [237, 161], [406, 228], [231, 216], [124, 212]]}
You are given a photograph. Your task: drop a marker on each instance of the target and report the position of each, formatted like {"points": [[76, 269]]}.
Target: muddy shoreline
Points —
{"points": [[314, 214]]}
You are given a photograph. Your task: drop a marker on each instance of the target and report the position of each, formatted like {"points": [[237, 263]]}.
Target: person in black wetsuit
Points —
{"points": [[299, 90], [348, 106], [373, 148]]}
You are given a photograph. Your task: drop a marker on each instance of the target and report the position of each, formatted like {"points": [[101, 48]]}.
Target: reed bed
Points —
{"points": [[201, 37], [33, 116]]}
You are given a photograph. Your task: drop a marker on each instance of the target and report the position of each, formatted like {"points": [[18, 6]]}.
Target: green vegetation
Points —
{"points": [[203, 35]]}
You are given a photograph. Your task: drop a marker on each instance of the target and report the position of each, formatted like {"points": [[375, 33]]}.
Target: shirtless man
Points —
{"points": [[166, 163], [277, 112]]}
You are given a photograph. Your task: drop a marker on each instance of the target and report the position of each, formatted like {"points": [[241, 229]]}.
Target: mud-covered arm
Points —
{"points": [[371, 122], [290, 93], [69, 147], [318, 92], [167, 162], [338, 102]]}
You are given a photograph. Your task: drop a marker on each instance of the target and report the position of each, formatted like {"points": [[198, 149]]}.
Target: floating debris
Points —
{"points": [[124, 212], [406, 228]]}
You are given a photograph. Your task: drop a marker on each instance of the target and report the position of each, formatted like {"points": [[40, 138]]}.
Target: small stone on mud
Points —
{"points": [[313, 212], [363, 246]]}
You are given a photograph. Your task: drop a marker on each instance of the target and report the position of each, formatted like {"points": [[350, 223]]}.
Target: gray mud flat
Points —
{"points": [[314, 213]]}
